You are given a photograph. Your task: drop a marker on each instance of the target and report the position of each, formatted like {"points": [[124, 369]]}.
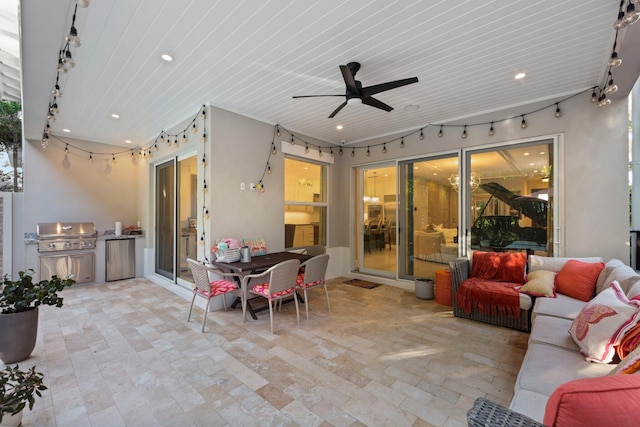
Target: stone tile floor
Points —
{"points": [[122, 353]]}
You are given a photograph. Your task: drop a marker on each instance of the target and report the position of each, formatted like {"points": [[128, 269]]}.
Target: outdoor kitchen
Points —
{"points": [[80, 250]]}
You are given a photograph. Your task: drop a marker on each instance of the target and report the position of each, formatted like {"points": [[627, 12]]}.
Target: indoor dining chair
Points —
{"points": [[313, 274], [207, 288], [281, 284]]}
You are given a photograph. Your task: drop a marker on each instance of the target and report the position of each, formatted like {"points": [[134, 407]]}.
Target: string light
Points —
{"points": [[611, 86], [384, 148], [273, 148], [492, 130], [319, 151], [464, 132], [292, 141], [441, 133], [523, 124], [66, 149], [421, 135], [615, 62], [90, 156], [340, 151], [368, 152], [204, 185], [306, 148], [268, 168], [194, 128], [204, 159], [331, 152], [204, 137], [113, 157], [277, 130], [558, 113], [353, 152], [402, 142], [594, 96], [184, 137]]}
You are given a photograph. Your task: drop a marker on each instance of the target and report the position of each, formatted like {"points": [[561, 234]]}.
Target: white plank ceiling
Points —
{"points": [[252, 56]]}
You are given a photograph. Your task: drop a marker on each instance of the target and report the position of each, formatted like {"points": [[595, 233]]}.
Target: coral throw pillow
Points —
{"points": [[540, 283], [629, 365], [578, 279], [499, 266], [603, 322], [603, 402]]}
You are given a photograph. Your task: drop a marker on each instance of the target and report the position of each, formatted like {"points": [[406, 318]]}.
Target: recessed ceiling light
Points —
{"points": [[519, 76], [128, 141], [531, 164], [542, 152], [166, 57], [66, 130], [339, 127], [115, 116], [526, 154], [411, 107]]}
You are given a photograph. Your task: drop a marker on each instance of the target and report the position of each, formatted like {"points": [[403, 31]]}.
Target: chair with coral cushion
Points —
{"points": [[206, 288], [281, 284], [313, 274]]}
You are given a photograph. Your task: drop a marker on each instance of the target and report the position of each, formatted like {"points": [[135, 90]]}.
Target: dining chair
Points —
{"points": [[207, 288], [313, 275], [281, 284]]}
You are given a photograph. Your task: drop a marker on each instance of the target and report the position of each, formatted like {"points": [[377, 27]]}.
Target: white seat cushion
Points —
{"points": [[560, 306], [529, 403], [553, 331]]}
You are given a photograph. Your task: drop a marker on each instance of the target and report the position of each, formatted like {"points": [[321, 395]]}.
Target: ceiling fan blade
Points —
{"points": [[349, 80], [313, 96], [337, 110], [375, 103], [372, 90]]}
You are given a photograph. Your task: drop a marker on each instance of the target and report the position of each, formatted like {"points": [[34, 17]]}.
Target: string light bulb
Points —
{"points": [[204, 159], [558, 113], [594, 96], [331, 152], [306, 148], [368, 152], [277, 130], [204, 137], [206, 212], [268, 168], [45, 140], [194, 128], [441, 132], [492, 131], [464, 132], [203, 114], [184, 138], [66, 149], [90, 156], [202, 239], [292, 140], [402, 142], [523, 124], [353, 152], [204, 185], [421, 135], [632, 15], [68, 60], [113, 157], [384, 148], [319, 151], [614, 62], [56, 90], [611, 86], [273, 148]]}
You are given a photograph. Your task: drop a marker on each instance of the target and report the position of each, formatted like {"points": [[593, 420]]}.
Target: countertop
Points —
{"points": [[32, 238]]}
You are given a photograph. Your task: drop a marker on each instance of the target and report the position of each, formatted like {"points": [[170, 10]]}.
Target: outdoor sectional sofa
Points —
{"points": [[556, 383]]}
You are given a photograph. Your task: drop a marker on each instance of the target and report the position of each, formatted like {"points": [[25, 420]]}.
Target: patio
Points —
{"points": [[122, 353]]}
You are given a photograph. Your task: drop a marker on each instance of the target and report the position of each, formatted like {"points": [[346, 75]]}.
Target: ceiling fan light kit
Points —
{"points": [[356, 94]]}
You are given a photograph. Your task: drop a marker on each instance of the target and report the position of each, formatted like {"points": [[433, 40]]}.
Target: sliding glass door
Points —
{"points": [[176, 217], [428, 215]]}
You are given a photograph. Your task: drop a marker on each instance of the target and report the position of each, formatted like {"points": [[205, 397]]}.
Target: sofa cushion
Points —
{"points": [[608, 401], [553, 331], [634, 291], [577, 279], [623, 274], [499, 266], [546, 367], [560, 306], [540, 283], [629, 365], [606, 272], [537, 262], [529, 403], [603, 322]]}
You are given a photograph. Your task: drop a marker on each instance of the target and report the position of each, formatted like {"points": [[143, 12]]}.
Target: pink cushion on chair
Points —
{"points": [[603, 401], [312, 284], [218, 287], [300, 279], [263, 289]]}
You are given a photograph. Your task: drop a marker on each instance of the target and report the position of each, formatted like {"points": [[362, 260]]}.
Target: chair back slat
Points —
{"points": [[283, 276], [200, 275], [315, 268]]}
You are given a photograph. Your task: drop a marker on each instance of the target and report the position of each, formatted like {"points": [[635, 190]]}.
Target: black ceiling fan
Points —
{"points": [[355, 93]]}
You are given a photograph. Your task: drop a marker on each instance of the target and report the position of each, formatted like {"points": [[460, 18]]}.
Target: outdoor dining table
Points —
{"points": [[258, 264]]}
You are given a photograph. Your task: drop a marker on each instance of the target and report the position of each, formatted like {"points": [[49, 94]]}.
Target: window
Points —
{"points": [[305, 206]]}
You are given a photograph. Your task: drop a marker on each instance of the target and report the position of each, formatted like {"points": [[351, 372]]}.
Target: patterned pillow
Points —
{"points": [[540, 283], [603, 322], [257, 245]]}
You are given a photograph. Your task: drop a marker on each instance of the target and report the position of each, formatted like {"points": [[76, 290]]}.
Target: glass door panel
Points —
{"points": [[378, 222], [428, 216], [165, 219], [510, 193], [187, 214]]}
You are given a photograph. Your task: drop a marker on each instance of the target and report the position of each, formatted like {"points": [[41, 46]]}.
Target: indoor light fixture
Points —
{"points": [[474, 181], [166, 57], [520, 76]]}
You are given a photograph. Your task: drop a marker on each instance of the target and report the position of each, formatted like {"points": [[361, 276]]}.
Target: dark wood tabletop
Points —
{"points": [[260, 262]]}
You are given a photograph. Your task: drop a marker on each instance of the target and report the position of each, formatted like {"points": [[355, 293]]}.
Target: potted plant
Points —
{"points": [[17, 388], [19, 301]]}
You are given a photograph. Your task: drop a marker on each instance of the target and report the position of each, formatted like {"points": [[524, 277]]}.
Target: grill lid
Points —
{"points": [[57, 230]]}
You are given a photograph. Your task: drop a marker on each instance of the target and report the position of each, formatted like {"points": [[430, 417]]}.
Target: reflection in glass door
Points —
{"points": [[378, 222], [165, 222], [428, 215], [176, 217]]}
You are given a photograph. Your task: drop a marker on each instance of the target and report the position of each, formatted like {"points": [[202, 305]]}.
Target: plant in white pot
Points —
{"points": [[19, 301], [17, 389]]}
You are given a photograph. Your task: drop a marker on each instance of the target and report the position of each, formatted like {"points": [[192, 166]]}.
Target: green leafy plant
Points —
{"points": [[24, 294], [17, 388]]}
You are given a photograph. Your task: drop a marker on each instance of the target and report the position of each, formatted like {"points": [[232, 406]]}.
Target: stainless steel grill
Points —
{"points": [[67, 250], [66, 236]]}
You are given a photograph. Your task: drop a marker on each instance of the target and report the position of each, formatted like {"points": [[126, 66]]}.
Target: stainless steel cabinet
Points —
{"points": [[121, 259], [81, 266]]}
